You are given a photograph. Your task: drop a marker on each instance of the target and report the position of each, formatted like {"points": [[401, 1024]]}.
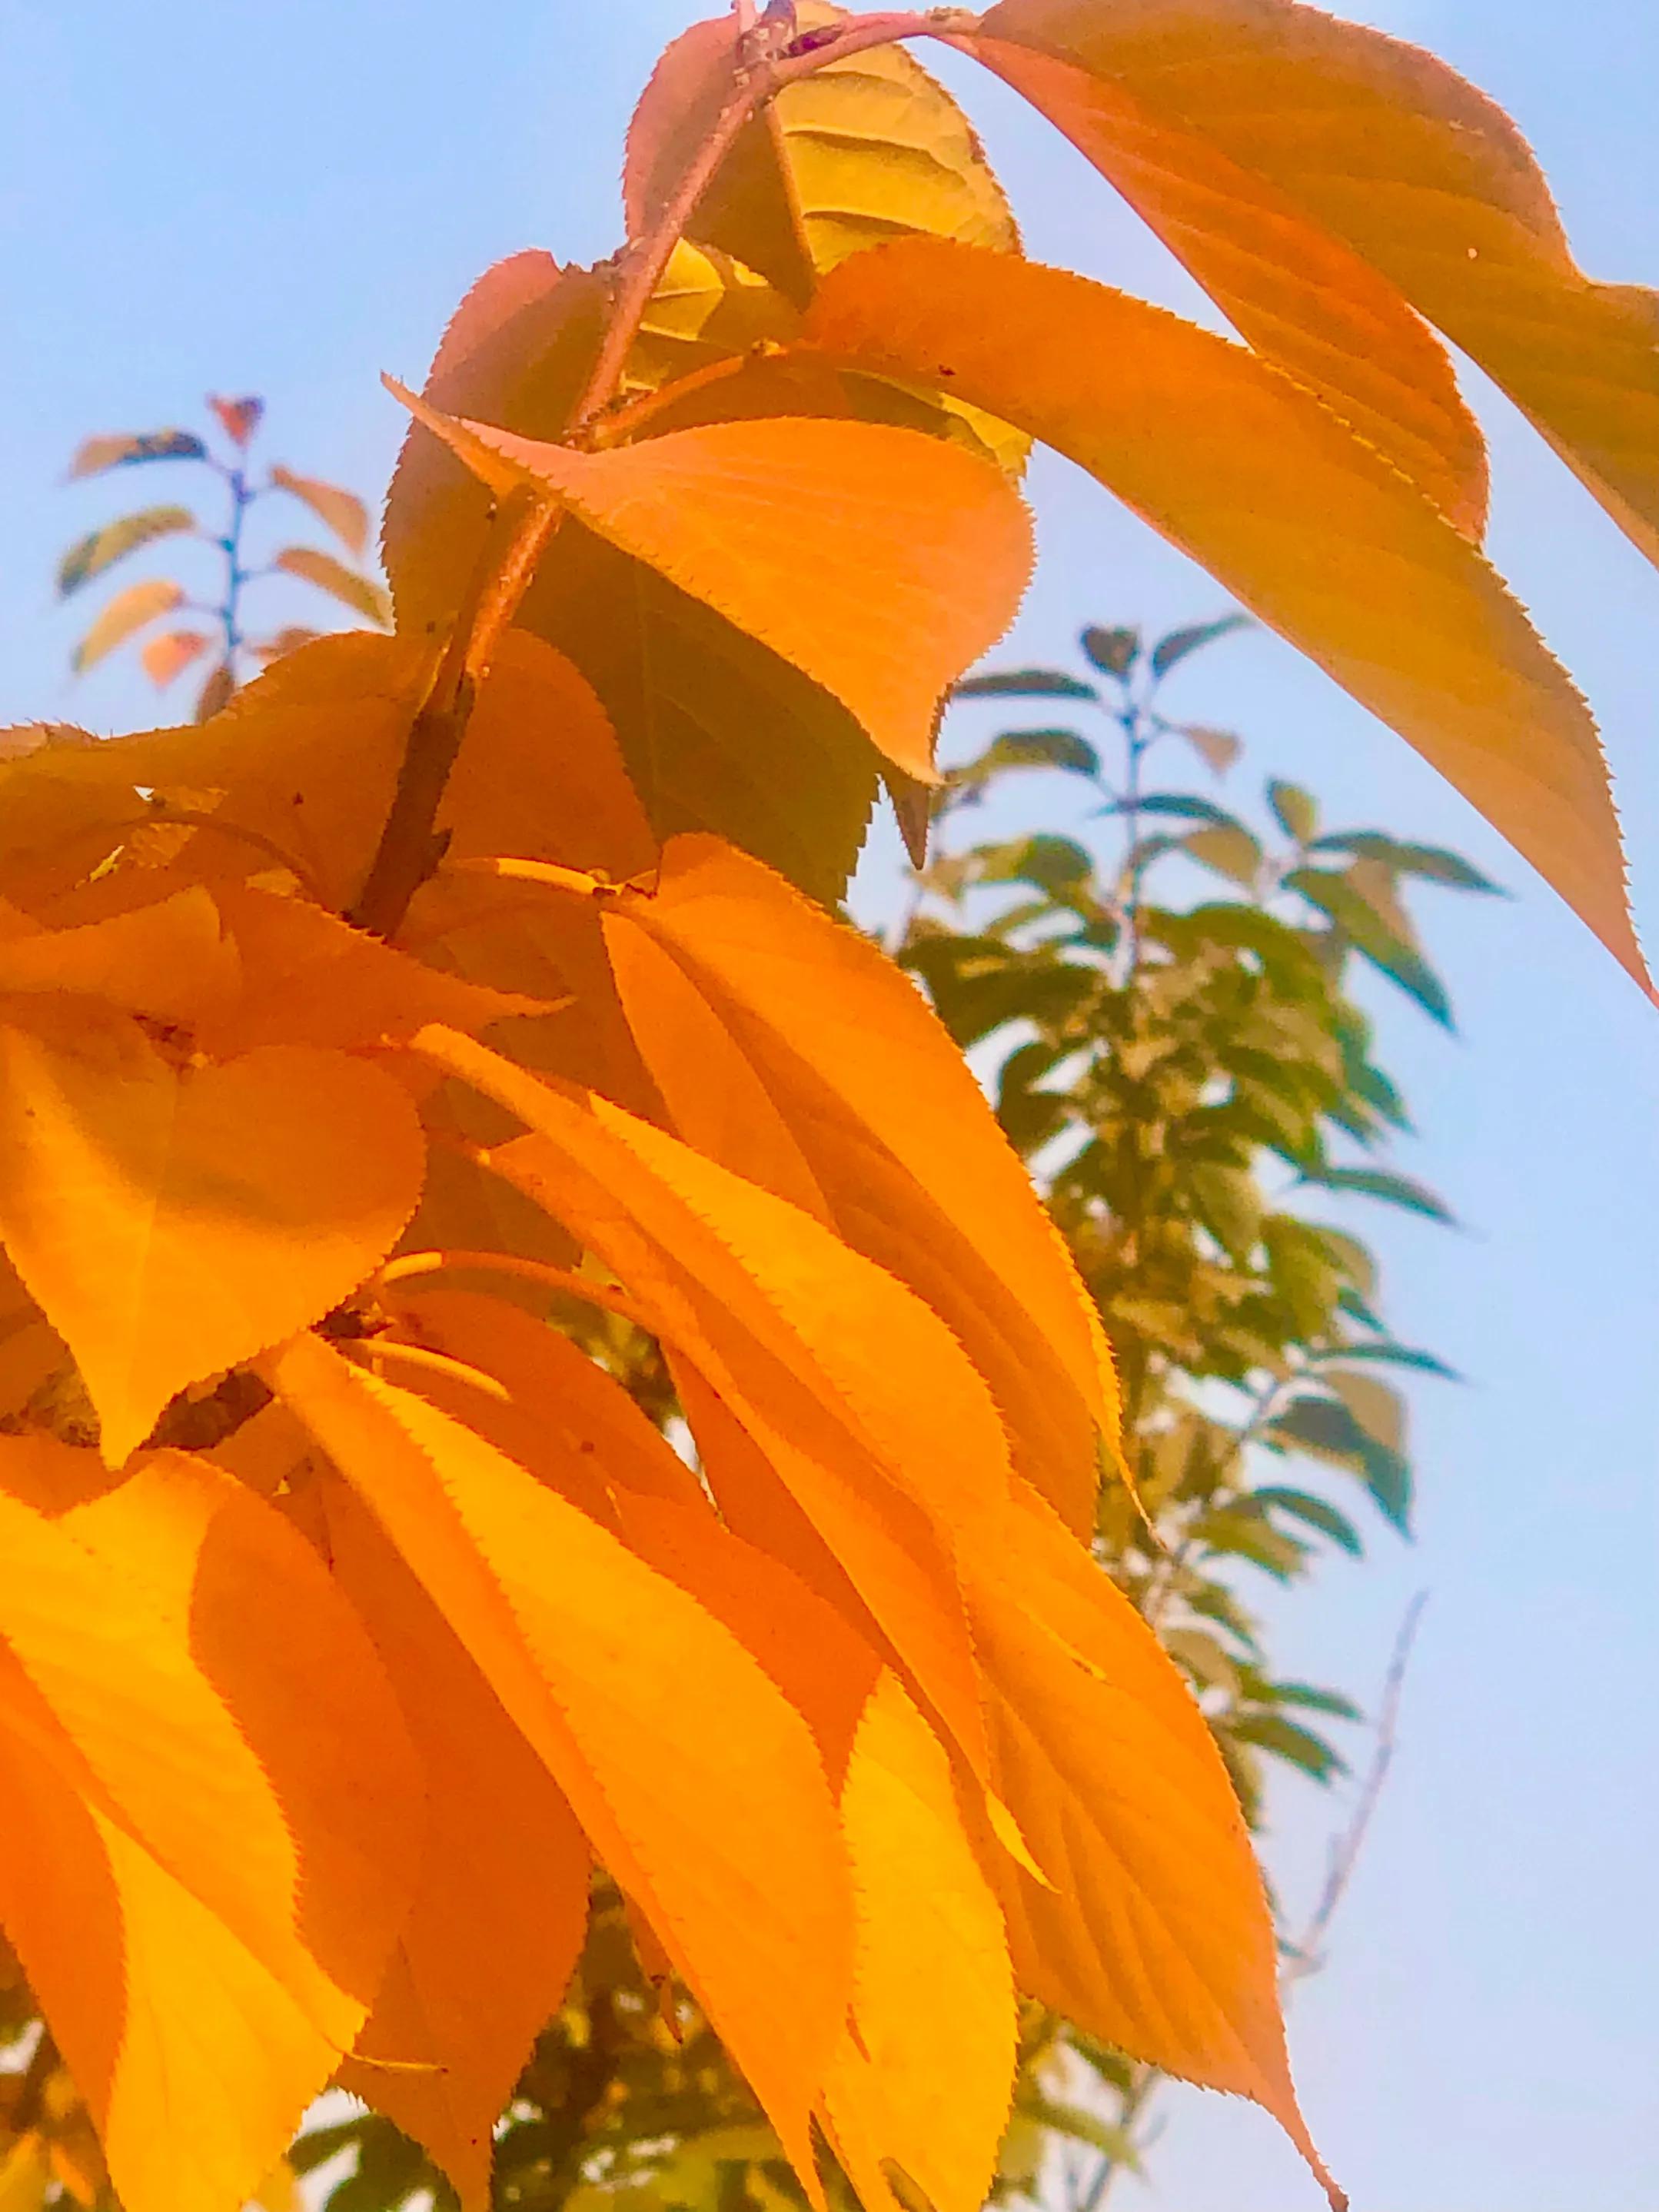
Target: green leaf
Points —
{"points": [[1024, 684], [1371, 933], [1246, 1535], [1056, 749], [122, 449], [1298, 1747], [1392, 1189], [1389, 1354], [1316, 1512], [1433, 863], [1327, 1428], [1229, 1202], [1312, 1699], [1115, 652], [1078, 2125], [102, 549], [1183, 805], [1295, 811], [1170, 651], [1055, 865]]}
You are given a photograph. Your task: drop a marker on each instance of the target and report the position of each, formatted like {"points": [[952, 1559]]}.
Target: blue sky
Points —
{"points": [[291, 200]]}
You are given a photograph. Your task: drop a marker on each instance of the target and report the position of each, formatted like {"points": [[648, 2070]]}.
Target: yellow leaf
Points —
{"points": [[918, 553], [698, 1784], [1155, 1934], [865, 147], [788, 1047], [211, 1836], [127, 612], [1301, 298], [706, 307], [926, 2074], [359, 593], [1313, 530], [502, 1902], [1394, 153], [858, 1397], [172, 1222], [170, 962], [343, 510], [102, 549]]}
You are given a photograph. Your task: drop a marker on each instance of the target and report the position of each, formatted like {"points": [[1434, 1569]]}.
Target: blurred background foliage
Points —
{"points": [[1158, 992]]}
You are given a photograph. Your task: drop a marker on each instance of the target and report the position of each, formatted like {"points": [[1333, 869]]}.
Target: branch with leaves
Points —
{"points": [[370, 1049], [226, 645]]}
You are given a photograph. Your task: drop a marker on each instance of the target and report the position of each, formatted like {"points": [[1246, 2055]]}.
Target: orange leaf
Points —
{"points": [[699, 1785], [1301, 298], [1155, 1935], [167, 657], [238, 418], [1313, 530], [518, 349], [788, 1047], [173, 1222], [1426, 179], [361, 594], [502, 1903], [127, 612], [926, 2074], [855, 1392], [210, 1834], [343, 510], [918, 552], [170, 962]]}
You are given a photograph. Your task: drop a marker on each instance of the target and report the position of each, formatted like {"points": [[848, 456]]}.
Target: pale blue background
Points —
{"points": [[291, 199]]}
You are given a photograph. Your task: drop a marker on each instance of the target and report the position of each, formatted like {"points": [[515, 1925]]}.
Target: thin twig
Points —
{"points": [[1303, 1958]]}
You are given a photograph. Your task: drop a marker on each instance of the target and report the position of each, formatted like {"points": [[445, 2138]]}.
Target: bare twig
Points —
{"points": [[1303, 1958]]}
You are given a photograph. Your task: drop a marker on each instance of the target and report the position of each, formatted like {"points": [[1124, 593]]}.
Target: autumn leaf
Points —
{"points": [[123, 449], [1301, 297], [789, 1048], [867, 146], [238, 418], [1445, 201], [225, 1823], [127, 612], [501, 1904], [167, 657], [102, 549], [919, 554], [695, 1779], [359, 593], [343, 510], [1308, 527], [172, 1222]]}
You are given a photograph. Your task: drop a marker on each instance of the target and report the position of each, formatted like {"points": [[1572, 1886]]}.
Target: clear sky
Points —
{"points": [[291, 199]]}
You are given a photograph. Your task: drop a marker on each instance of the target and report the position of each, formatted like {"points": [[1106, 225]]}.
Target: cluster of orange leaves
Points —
{"points": [[351, 1609]]}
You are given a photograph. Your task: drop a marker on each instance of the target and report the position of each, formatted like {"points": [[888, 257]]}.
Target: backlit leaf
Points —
{"points": [[1156, 1936], [865, 147], [223, 1821], [1388, 150], [170, 1222], [102, 549], [697, 1782], [919, 554], [901, 1152], [127, 612], [361, 594], [922, 2079], [1302, 297], [1308, 527], [343, 510], [502, 1903]]}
